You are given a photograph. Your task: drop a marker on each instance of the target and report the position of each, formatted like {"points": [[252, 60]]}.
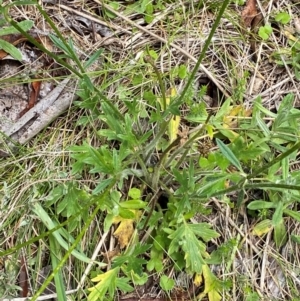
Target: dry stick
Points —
{"points": [[264, 261], [90, 265], [91, 18], [40, 298], [187, 54]]}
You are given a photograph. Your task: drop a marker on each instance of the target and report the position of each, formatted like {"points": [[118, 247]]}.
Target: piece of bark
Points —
{"points": [[38, 117]]}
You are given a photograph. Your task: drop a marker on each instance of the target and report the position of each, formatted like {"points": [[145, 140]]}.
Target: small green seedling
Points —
{"points": [[265, 31], [283, 18]]}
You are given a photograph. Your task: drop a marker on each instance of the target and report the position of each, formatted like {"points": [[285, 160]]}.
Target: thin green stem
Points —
{"points": [[72, 247], [274, 186], [203, 52], [276, 160], [149, 60]]}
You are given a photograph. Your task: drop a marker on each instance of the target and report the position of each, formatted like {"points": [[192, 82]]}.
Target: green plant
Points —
{"points": [[282, 17], [147, 179], [265, 31], [10, 30]]}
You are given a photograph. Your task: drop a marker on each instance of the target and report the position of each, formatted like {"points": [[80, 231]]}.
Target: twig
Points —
{"points": [[184, 52]]}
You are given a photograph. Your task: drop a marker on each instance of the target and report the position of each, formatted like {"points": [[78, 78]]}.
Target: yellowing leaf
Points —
{"points": [[198, 280], [214, 296], [106, 283], [230, 121], [290, 36], [173, 128], [210, 130], [103, 277], [262, 228], [212, 285], [125, 230], [175, 121]]}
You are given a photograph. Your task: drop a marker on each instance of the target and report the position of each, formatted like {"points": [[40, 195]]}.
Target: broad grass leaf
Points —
{"points": [[93, 58], [283, 112], [11, 49], [294, 214], [295, 238], [42, 214], [280, 234], [56, 256], [258, 205], [262, 228], [226, 151], [277, 216]]}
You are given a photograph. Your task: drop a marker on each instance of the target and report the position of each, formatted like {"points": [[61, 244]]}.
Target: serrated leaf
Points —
{"points": [[198, 280], [194, 249], [265, 31], [174, 123], [166, 283], [173, 128], [135, 193], [182, 72], [283, 17], [212, 285], [226, 151], [210, 130], [106, 283], [126, 214]]}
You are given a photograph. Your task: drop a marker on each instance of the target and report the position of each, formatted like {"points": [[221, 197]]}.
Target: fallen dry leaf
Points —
{"points": [[23, 278], [249, 13], [109, 255], [34, 94]]}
